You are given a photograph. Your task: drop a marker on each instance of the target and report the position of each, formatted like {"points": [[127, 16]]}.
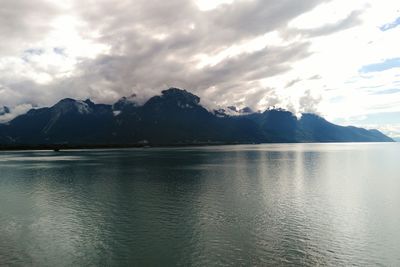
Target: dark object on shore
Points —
{"points": [[56, 150]]}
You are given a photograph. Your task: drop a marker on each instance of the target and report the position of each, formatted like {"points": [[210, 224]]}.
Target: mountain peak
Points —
{"points": [[89, 102], [246, 110], [233, 111], [233, 108], [174, 117], [311, 116], [182, 95], [174, 98], [67, 105], [125, 102]]}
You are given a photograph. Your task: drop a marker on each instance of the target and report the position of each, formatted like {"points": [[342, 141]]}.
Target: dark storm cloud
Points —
{"points": [[246, 19], [155, 44], [222, 26], [148, 72]]}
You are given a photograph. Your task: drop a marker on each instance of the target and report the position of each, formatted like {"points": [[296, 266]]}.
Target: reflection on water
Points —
{"points": [[308, 204]]}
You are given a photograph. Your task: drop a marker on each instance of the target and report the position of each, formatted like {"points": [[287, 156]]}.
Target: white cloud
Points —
{"points": [[206, 5], [17, 110], [246, 52]]}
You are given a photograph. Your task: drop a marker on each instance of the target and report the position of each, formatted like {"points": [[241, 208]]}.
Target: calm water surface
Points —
{"points": [[292, 204]]}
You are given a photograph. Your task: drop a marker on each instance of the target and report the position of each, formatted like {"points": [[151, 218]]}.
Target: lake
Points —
{"points": [[245, 205]]}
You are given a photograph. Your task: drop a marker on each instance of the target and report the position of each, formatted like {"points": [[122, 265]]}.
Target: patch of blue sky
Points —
{"points": [[373, 119], [337, 99], [59, 51], [391, 25], [28, 53], [34, 51], [387, 91], [385, 65]]}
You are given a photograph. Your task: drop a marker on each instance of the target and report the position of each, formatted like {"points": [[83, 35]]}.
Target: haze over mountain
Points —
{"points": [[174, 117]]}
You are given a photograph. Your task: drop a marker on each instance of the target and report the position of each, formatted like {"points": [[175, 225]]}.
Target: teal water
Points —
{"points": [[261, 205]]}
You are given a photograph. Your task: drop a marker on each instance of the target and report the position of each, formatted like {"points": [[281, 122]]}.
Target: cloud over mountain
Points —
{"points": [[253, 53]]}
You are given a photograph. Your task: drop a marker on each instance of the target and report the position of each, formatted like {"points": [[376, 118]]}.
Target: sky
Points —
{"points": [[336, 58]]}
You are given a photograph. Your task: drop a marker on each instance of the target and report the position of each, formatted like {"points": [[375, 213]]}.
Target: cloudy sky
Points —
{"points": [[338, 58]]}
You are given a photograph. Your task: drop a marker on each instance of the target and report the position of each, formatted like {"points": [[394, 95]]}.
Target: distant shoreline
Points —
{"points": [[108, 146], [122, 146]]}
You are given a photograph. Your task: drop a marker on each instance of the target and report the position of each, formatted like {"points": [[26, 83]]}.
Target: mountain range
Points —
{"points": [[175, 117]]}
